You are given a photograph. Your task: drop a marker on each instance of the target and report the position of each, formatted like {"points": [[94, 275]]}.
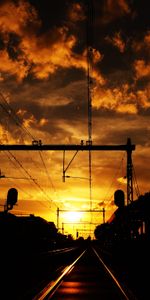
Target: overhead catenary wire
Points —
{"points": [[136, 187], [32, 180], [12, 114], [47, 173], [113, 182], [14, 164], [8, 109], [28, 174]]}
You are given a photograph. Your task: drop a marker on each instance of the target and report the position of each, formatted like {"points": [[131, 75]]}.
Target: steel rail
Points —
{"points": [[57, 251], [50, 289], [115, 280]]}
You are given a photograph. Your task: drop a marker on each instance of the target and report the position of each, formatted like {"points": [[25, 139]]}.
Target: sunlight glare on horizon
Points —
{"points": [[73, 216]]}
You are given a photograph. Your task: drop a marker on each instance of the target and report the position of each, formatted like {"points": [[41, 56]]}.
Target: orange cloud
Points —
{"points": [[117, 41], [143, 44], [43, 122], [143, 97], [13, 67], [141, 68], [118, 7], [76, 13], [48, 56], [21, 113], [119, 99], [123, 99], [6, 136], [43, 54], [55, 100], [114, 9], [122, 180], [29, 121], [147, 39], [16, 17]]}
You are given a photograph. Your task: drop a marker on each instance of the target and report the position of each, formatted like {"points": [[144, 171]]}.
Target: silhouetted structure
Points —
{"points": [[124, 241], [129, 222], [26, 232]]}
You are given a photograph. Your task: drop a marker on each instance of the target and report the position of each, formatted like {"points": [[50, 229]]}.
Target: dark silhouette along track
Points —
{"points": [[87, 278]]}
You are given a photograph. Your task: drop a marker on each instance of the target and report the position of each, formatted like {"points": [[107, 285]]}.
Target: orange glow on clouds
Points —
{"points": [[43, 83]]}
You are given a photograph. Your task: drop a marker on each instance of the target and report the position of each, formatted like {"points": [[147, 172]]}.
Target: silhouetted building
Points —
{"points": [[27, 233], [131, 222]]}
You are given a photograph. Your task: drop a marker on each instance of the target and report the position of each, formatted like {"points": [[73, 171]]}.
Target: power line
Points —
{"points": [[47, 199], [136, 187], [8, 109], [113, 181], [47, 173], [29, 176]]}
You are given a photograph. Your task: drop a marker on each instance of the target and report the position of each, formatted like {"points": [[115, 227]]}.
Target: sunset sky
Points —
{"points": [[43, 96]]}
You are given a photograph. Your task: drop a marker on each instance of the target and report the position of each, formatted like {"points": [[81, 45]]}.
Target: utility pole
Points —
{"points": [[75, 210], [129, 173], [89, 85], [38, 146], [57, 217]]}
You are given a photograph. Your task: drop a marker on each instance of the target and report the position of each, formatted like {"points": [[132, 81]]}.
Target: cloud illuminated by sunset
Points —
{"points": [[44, 96]]}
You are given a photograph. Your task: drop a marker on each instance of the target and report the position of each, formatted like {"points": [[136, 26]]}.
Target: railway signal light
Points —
{"points": [[12, 197]]}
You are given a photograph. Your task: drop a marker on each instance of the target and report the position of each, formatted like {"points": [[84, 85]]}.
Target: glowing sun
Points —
{"points": [[73, 216]]}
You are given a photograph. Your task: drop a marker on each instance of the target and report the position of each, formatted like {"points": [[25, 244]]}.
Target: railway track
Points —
{"points": [[25, 273], [86, 278]]}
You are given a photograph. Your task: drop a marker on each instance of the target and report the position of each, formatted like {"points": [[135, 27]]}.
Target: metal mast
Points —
{"points": [[89, 85], [129, 173]]}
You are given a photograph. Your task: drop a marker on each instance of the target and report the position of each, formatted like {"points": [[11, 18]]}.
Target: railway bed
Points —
{"points": [[87, 278]]}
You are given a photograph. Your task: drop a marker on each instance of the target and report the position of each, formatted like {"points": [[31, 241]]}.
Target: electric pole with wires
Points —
{"points": [[89, 86]]}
